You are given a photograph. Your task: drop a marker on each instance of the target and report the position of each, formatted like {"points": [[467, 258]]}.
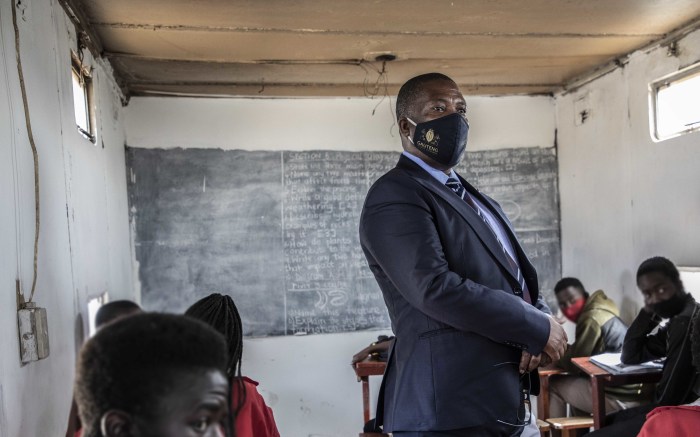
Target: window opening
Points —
{"points": [[93, 305], [82, 97], [691, 280], [674, 108]]}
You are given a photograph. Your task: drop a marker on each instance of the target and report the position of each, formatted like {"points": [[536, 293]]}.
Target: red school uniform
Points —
{"points": [[680, 421], [255, 419]]}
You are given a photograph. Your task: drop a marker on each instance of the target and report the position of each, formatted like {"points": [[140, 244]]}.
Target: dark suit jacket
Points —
{"points": [[451, 295]]}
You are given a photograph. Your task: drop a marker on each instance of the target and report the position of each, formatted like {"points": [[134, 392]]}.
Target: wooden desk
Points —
{"points": [[601, 377], [363, 370]]}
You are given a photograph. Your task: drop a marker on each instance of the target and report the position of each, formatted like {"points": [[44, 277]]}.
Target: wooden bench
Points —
{"points": [[543, 427], [569, 425]]}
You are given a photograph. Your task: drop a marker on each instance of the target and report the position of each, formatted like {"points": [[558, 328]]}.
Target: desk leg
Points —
{"points": [[598, 397], [543, 398], [365, 398]]}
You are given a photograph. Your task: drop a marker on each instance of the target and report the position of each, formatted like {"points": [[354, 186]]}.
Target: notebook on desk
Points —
{"points": [[612, 363]]}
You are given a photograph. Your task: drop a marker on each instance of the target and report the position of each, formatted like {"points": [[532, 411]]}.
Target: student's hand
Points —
{"points": [[373, 350], [364, 353], [557, 341]]}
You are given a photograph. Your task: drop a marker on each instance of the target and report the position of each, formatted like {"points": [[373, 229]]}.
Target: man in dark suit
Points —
{"points": [[463, 298]]}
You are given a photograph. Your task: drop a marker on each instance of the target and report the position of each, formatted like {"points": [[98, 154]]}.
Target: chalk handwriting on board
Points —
{"points": [[278, 230]]}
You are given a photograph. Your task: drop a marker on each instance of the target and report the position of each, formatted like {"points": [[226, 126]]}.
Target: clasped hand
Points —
{"points": [[553, 350]]}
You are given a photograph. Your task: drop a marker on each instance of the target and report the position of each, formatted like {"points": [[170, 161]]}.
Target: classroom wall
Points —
{"points": [[84, 245], [625, 198], [307, 380]]}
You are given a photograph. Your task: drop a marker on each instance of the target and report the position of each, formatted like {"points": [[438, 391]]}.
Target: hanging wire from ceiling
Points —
{"points": [[35, 153], [380, 84]]}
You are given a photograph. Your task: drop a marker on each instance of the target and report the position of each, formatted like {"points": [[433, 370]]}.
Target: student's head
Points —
{"points": [[220, 312], [115, 310], [571, 297], [153, 375], [660, 283]]}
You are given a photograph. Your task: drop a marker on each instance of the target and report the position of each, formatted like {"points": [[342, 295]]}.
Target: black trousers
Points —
{"points": [[493, 429], [624, 423], [477, 431]]}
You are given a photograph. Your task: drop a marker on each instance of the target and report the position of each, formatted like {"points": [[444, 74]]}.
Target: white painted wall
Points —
{"points": [[307, 380], [331, 123], [625, 198], [84, 238]]}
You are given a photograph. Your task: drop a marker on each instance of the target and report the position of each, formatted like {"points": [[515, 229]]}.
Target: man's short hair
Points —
{"points": [[411, 90], [569, 282], [114, 310], [659, 264], [134, 363]]}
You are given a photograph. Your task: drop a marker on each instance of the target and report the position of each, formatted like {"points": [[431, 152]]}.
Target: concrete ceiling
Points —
{"points": [[328, 48]]}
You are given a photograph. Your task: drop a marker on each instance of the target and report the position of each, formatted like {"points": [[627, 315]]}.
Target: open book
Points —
{"points": [[611, 362]]}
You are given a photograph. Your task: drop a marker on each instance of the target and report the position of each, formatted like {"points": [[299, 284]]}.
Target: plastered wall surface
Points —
{"points": [[307, 380], [625, 198], [84, 247], [328, 123]]}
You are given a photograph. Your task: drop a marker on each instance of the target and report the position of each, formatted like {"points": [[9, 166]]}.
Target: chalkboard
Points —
{"points": [[278, 231]]}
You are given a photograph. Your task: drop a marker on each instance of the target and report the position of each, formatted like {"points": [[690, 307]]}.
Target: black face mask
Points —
{"points": [[443, 139], [670, 307]]}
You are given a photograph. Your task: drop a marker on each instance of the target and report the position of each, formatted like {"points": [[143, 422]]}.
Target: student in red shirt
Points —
{"points": [[253, 418]]}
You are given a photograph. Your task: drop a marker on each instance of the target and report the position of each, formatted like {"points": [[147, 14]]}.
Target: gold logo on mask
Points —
{"points": [[430, 135]]}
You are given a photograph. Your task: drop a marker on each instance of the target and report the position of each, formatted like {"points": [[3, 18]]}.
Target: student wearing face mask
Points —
{"points": [[664, 298], [599, 329]]}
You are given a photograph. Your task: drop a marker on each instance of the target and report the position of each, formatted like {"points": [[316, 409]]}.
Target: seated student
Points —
{"points": [[155, 375], [683, 420], [599, 329], [107, 313], [115, 310], [664, 298], [253, 416]]}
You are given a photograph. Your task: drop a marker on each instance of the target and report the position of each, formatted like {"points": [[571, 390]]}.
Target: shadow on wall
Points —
{"points": [[3, 418], [630, 306], [79, 333]]}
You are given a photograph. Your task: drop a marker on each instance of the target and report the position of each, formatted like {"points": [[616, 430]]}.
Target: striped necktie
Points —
{"points": [[457, 187]]}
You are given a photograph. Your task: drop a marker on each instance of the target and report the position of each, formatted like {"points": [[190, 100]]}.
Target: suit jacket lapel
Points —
{"points": [[525, 265], [465, 211]]}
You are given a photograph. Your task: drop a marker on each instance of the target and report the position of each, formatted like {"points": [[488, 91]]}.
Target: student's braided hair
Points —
{"points": [[220, 312]]}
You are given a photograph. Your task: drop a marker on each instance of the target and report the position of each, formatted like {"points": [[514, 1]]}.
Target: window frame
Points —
{"points": [[662, 83], [81, 70]]}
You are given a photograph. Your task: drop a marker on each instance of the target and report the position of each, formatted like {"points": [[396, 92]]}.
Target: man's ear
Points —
{"points": [[116, 423], [404, 127]]}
